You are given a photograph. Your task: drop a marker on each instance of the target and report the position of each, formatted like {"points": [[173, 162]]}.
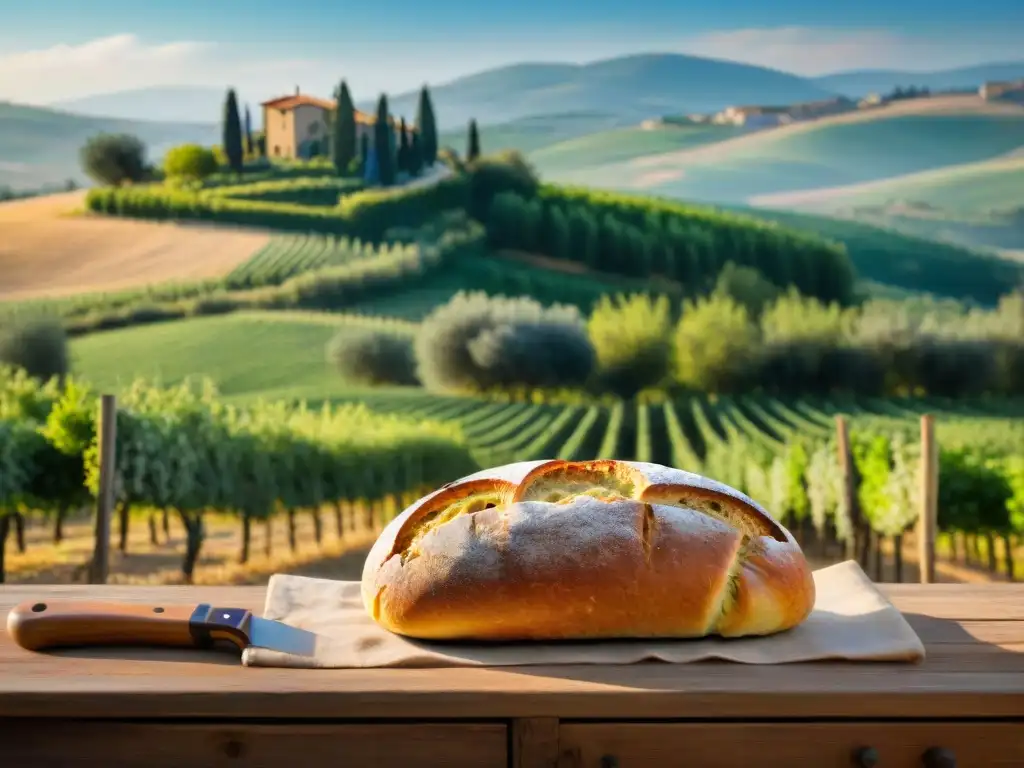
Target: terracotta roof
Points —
{"points": [[302, 100], [298, 100]]}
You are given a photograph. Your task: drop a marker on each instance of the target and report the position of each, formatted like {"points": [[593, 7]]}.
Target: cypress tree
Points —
{"points": [[343, 140], [415, 155], [383, 144], [427, 127], [473, 142], [248, 132], [403, 148], [232, 132], [364, 150]]}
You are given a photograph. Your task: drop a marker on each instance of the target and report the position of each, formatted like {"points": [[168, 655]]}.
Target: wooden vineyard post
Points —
{"points": [[848, 489], [105, 497], [928, 519]]}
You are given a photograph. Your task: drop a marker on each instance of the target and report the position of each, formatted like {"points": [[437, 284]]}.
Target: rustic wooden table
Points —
{"points": [[126, 707]]}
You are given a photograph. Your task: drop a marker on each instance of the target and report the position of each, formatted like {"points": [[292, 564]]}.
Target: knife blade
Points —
{"points": [[39, 625]]}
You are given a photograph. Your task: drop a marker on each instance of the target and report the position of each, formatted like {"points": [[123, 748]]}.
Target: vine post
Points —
{"points": [[849, 492], [99, 567], [928, 519]]}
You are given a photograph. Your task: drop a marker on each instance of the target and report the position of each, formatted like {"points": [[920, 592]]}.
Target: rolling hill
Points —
{"points": [[636, 87], [630, 87], [40, 145], [624, 144], [528, 134], [905, 262], [968, 191], [863, 82], [863, 146]]}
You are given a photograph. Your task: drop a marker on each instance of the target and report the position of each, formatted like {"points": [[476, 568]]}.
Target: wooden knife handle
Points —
{"points": [[35, 625]]}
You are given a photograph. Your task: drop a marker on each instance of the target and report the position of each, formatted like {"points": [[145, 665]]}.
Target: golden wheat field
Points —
{"points": [[48, 248]]}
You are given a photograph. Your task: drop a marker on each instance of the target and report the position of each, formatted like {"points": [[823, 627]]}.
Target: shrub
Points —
{"points": [[39, 346], [795, 317], [491, 175], [714, 342], [746, 286], [373, 356], [190, 161], [114, 159], [476, 342], [631, 337]]}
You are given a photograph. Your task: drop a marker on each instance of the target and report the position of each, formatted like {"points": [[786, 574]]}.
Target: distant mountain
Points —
{"points": [[40, 146], [631, 87], [171, 103], [863, 82]]}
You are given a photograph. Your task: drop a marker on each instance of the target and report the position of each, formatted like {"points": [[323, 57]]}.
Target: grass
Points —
{"points": [[246, 354], [623, 144]]}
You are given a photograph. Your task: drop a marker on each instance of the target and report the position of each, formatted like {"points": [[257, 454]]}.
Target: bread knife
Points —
{"points": [[37, 626]]}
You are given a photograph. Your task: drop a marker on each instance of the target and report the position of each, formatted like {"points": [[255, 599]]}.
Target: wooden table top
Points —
{"points": [[973, 634]]}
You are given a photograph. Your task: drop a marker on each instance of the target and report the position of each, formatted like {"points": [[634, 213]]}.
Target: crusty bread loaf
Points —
{"points": [[549, 550]]}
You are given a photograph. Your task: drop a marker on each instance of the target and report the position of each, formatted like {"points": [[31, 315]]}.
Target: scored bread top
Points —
{"points": [[764, 555]]}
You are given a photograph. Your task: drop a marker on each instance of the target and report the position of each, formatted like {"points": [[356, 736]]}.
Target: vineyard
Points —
{"points": [[183, 453], [784, 454], [288, 255]]}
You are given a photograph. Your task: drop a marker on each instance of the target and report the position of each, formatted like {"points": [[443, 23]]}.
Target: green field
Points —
{"points": [[247, 354], [623, 144], [971, 191], [825, 156]]}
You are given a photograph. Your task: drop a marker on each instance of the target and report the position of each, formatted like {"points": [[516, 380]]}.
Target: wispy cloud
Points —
{"points": [[806, 50], [122, 62]]}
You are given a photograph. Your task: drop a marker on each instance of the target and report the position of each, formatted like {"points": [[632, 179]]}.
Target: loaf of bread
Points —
{"points": [[559, 550]]}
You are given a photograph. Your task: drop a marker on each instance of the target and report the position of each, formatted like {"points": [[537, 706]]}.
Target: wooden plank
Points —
{"points": [[169, 745], [961, 602], [534, 742], [781, 745], [973, 667]]}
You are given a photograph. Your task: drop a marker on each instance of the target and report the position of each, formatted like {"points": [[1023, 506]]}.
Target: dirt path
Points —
{"points": [[48, 250], [44, 562]]}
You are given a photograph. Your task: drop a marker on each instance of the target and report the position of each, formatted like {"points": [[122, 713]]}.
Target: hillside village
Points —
{"points": [[766, 116]]}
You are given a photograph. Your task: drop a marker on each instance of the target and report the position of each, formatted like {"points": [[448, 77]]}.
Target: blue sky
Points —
{"points": [[57, 49]]}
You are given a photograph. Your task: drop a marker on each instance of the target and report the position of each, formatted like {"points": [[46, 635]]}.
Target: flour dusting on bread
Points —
{"points": [[561, 550]]}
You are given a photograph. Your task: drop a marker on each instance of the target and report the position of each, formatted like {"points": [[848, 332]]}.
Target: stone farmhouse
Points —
{"points": [[298, 127], [1012, 90], [766, 116]]}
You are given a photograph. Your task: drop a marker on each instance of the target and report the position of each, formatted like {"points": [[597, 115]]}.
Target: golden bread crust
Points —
{"points": [[552, 550]]}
